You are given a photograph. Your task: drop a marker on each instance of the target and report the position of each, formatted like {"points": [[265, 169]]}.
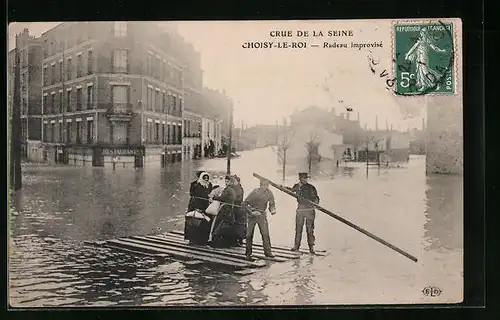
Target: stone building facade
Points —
{"points": [[30, 58]]}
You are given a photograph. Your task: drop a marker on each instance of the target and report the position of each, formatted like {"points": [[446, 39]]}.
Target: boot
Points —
{"points": [[269, 255], [295, 248], [248, 257], [311, 250]]}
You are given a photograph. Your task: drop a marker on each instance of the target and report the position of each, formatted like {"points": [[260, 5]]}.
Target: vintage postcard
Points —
{"points": [[235, 163]]}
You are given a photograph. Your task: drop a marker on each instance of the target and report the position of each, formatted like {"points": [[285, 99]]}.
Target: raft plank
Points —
{"points": [[187, 255], [198, 255], [281, 253], [233, 252], [186, 248], [257, 251], [257, 244]]}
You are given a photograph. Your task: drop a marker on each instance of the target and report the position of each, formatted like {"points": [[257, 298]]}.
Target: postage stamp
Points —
{"points": [[424, 58]]}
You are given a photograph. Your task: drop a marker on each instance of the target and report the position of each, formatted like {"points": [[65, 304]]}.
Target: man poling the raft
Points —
{"points": [[333, 215]]}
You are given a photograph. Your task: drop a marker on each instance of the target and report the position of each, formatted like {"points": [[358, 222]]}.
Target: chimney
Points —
{"points": [[348, 116], [333, 111], [358, 116], [376, 123]]}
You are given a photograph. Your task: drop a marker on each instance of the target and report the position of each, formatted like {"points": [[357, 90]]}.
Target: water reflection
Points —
{"points": [[444, 212], [59, 208]]}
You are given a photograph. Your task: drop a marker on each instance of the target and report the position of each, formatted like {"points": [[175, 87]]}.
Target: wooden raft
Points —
{"points": [[173, 245]]}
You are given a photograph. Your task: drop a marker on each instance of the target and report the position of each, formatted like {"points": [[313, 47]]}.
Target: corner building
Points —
{"points": [[112, 92], [30, 59]]}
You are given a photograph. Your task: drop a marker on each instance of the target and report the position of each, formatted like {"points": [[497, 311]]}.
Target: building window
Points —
{"points": [[45, 76], [45, 49], [53, 74], [90, 94], [60, 132], [90, 130], [44, 104], [61, 72], [120, 98], [164, 102], [60, 102], [169, 134], [68, 101], [153, 100], [68, 70], [53, 132], [157, 133], [120, 61], [120, 29], [68, 132], [148, 99], [179, 134], [79, 66], [90, 62], [78, 132], [78, 99], [52, 103], [158, 102], [174, 102], [174, 134], [162, 133]]}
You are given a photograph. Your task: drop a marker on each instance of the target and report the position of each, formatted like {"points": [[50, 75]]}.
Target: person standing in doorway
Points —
{"points": [[305, 211], [255, 205]]}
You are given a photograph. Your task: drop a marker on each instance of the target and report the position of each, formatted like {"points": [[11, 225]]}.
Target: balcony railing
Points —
{"points": [[120, 111], [119, 108]]}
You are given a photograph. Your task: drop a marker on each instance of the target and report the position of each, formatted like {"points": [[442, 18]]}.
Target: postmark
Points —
{"points": [[424, 57]]}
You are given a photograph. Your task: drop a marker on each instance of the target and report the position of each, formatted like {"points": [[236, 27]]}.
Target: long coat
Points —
{"points": [[199, 196], [224, 231], [196, 230], [240, 215]]}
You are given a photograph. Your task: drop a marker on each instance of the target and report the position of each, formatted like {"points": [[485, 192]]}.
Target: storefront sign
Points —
{"points": [[120, 152]]}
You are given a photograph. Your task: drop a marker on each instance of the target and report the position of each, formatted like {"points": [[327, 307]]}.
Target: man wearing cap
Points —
{"points": [[255, 205], [305, 211]]}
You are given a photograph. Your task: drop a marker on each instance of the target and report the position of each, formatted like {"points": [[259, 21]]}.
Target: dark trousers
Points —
{"points": [[264, 232], [307, 216]]}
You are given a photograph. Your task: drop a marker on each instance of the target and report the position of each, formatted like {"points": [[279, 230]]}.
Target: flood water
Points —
{"points": [[61, 207]]}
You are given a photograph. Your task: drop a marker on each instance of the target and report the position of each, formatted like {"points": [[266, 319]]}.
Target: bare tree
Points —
{"points": [[312, 147], [282, 149]]}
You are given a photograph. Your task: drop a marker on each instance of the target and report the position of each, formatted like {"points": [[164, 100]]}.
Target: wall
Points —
{"points": [[103, 129], [444, 135]]}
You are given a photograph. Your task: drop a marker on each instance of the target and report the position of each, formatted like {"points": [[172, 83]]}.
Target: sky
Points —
{"points": [[267, 85]]}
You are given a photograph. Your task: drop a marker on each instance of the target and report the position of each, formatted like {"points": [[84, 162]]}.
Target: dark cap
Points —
{"points": [[303, 175], [198, 173], [237, 178]]}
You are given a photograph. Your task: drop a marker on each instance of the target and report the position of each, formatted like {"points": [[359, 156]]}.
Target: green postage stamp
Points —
{"points": [[424, 58]]}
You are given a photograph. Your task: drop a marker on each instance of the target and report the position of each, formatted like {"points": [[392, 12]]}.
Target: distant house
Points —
{"points": [[312, 134]]}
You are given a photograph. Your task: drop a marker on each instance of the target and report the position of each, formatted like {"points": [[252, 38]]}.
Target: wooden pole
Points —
{"points": [[16, 182], [229, 147], [333, 215]]}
